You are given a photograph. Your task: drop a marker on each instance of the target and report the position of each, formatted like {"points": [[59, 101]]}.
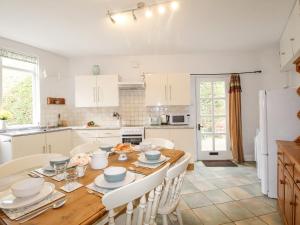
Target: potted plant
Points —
{"points": [[4, 115]]}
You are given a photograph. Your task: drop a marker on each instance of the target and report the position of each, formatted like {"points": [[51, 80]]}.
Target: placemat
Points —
{"points": [[16, 213]]}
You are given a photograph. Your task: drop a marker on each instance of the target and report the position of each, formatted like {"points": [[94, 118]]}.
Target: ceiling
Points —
{"points": [[80, 27]]}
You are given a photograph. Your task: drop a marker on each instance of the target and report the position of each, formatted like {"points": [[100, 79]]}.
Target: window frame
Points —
{"points": [[35, 94]]}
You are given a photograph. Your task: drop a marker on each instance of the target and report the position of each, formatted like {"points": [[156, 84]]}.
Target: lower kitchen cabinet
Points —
{"points": [[59, 142], [289, 181], [183, 138], [111, 137]]}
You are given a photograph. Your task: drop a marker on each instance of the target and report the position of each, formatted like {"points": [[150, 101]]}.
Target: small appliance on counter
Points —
{"points": [[155, 120], [179, 119], [164, 119]]}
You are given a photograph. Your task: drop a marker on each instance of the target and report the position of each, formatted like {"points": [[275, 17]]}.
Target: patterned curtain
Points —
{"points": [[235, 119]]}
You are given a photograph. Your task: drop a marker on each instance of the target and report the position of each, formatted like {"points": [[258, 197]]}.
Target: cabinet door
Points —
{"points": [[86, 91], [80, 137], [179, 91], [28, 145], [59, 142], [156, 89], [108, 90], [184, 139], [288, 198], [157, 133], [296, 18], [109, 140], [280, 185], [296, 206]]}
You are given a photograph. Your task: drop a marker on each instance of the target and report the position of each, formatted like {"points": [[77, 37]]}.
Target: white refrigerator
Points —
{"points": [[277, 121]]}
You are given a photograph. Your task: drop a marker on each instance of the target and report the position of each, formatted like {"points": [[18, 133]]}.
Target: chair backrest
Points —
{"points": [[21, 164], [139, 189], [173, 183], [160, 142], [85, 148]]}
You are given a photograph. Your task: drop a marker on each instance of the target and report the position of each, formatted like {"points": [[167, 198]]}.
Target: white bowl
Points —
{"points": [[152, 155], [144, 146], [27, 187], [114, 174], [59, 160]]}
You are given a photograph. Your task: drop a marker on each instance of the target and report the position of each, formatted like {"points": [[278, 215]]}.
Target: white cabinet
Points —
{"points": [[111, 137], [290, 40], [167, 89], [184, 139], [59, 142], [97, 91]]}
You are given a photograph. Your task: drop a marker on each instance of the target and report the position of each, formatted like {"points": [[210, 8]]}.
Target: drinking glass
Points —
{"points": [[60, 169], [71, 177]]}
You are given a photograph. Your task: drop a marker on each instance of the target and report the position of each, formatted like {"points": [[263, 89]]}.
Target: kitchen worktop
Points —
{"points": [[170, 127], [31, 131]]}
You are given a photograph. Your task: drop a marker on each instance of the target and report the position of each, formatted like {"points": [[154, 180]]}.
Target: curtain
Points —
{"points": [[235, 119], [18, 56]]}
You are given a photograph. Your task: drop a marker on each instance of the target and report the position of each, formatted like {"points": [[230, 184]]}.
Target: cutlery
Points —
{"points": [[33, 175], [94, 193], [59, 203], [132, 169]]}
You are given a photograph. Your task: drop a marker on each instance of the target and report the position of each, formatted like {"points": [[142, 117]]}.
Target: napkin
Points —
{"points": [[16, 213], [72, 186]]}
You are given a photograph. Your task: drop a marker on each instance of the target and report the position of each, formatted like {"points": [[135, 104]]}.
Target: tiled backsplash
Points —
{"points": [[132, 110]]}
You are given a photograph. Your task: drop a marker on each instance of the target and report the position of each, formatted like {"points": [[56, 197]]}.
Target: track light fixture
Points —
{"points": [[161, 8]]}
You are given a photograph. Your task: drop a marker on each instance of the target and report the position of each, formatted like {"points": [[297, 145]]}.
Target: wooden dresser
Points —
{"points": [[288, 181]]}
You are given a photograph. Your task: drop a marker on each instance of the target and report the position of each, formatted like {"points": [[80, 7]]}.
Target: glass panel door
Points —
{"points": [[212, 135]]}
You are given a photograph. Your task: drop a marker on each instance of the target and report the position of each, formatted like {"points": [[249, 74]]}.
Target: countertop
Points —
{"points": [[170, 127]]}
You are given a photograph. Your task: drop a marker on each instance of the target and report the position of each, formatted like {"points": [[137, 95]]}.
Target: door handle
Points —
{"points": [[199, 126]]}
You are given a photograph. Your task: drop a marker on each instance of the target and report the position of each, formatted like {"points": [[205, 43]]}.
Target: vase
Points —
{"points": [[96, 70], [2, 124]]}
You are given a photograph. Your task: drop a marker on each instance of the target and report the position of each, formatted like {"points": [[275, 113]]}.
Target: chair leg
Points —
{"points": [[165, 219], [178, 214]]}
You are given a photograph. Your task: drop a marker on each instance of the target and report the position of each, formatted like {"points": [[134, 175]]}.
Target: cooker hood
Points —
{"points": [[132, 85]]}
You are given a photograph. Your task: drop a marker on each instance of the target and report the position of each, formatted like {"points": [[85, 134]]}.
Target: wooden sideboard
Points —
{"points": [[288, 181]]}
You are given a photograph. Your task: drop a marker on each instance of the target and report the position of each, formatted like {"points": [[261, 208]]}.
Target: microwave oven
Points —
{"points": [[179, 119]]}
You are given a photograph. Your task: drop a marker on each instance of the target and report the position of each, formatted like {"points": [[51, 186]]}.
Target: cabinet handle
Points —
{"points": [[282, 182], [9, 140], [100, 92], [170, 90], [44, 149], [292, 39], [94, 94], [50, 148], [282, 53]]}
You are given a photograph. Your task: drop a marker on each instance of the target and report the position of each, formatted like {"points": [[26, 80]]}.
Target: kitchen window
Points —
{"points": [[18, 87]]}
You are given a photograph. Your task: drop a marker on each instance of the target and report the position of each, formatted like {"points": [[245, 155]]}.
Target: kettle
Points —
{"points": [[164, 118], [99, 160]]}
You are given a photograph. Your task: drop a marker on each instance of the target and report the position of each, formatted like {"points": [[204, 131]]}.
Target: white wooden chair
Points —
{"points": [[161, 142], [145, 191], [172, 188], [10, 171], [85, 148]]}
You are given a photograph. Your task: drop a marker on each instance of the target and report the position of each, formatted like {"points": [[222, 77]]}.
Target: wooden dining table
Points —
{"points": [[83, 207]]}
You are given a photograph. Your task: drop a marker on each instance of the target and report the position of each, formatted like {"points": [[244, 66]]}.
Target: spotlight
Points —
{"points": [[174, 5], [161, 9], [148, 13], [133, 15], [110, 17]]}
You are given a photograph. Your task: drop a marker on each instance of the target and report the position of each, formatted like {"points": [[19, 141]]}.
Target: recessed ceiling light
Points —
{"points": [[174, 5], [161, 9]]}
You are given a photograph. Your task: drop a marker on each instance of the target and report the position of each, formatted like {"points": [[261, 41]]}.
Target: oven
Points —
{"points": [[133, 135]]}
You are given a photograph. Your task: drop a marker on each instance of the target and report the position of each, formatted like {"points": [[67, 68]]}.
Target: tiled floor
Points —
{"points": [[225, 195]]}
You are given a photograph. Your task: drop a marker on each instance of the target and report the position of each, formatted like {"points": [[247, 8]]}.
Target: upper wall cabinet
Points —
{"points": [[167, 89], [290, 40], [97, 91]]}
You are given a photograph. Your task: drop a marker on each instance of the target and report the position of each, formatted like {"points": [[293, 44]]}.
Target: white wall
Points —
{"points": [[53, 64], [131, 67]]}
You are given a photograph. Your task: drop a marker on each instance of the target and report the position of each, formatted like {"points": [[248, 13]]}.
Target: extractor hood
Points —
{"points": [[132, 85]]}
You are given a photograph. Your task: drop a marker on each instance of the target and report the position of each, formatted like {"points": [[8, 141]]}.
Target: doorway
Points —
{"points": [[212, 118]]}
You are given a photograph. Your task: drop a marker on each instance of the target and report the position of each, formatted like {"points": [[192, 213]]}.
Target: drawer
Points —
{"points": [[297, 176], [109, 133], [289, 165], [86, 133]]}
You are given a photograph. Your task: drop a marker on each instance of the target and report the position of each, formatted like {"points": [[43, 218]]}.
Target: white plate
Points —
{"points": [[48, 168], [11, 202], [142, 158], [102, 183]]}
